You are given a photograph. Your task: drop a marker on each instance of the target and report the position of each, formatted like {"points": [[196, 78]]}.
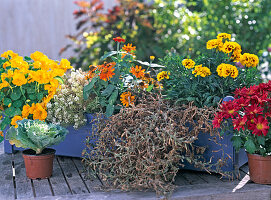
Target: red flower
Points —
{"points": [[260, 126], [229, 109], [239, 123], [119, 39], [217, 120], [254, 109]]}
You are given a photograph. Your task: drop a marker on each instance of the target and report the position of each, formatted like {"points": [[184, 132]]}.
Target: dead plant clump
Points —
{"points": [[142, 146]]}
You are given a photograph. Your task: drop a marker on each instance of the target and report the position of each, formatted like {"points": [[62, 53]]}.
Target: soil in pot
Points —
{"points": [[259, 168], [39, 166]]}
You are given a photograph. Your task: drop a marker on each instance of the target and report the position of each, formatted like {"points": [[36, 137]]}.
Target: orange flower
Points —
{"points": [[119, 39], [90, 73], [127, 99], [15, 119], [129, 48], [1, 134], [137, 71], [107, 71]]}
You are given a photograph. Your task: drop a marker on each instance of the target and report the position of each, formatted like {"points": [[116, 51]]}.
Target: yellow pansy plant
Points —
{"points": [[27, 84]]}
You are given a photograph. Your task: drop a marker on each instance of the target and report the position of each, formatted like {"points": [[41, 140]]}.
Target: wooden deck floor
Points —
{"points": [[68, 182]]}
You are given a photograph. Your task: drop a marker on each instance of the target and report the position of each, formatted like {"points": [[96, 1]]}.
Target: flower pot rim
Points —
{"points": [[258, 155], [29, 152]]}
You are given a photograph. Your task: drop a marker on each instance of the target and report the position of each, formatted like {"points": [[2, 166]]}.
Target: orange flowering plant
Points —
{"points": [[120, 79], [27, 85]]}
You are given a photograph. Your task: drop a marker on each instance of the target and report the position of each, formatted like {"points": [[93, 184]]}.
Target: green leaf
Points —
{"points": [[261, 140], [87, 88], [106, 55], [2, 95], [1, 139], [237, 142], [32, 97], [108, 91], [16, 94], [39, 96], [250, 146], [30, 90], [59, 79], [113, 97], [5, 122], [26, 58], [17, 104], [7, 101], [150, 87], [109, 110], [17, 112], [115, 79], [10, 111]]}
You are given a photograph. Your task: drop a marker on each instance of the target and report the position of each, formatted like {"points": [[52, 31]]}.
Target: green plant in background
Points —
{"points": [[213, 75], [35, 134], [120, 80], [159, 25], [248, 21], [129, 18], [265, 66]]}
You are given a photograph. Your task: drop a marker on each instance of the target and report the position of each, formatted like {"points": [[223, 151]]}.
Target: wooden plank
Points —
{"points": [[72, 176], [92, 184], [6, 178], [209, 178], [23, 184], [192, 177], [58, 182], [180, 180], [42, 188]]}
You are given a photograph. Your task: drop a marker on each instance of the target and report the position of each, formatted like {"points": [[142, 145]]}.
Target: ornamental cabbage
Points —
{"points": [[35, 134]]}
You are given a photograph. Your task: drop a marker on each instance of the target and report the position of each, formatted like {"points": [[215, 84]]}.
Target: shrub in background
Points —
{"points": [[160, 25], [142, 146]]}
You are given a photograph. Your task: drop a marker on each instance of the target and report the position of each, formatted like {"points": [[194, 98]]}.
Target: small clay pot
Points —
{"points": [[259, 168], [39, 166]]}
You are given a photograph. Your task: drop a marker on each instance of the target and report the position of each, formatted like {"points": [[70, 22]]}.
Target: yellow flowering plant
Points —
{"points": [[27, 84], [207, 79]]}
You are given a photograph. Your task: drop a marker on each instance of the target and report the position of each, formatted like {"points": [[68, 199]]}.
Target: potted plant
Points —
{"points": [[27, 85], [35, 136], [249, 115], [205, 81]]}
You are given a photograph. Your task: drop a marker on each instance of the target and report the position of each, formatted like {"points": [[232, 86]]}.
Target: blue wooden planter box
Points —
{"points": [[234, 159], [73, 144]]}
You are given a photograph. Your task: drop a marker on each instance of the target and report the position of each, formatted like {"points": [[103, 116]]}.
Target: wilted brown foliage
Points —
{"points": [[141, 147]]}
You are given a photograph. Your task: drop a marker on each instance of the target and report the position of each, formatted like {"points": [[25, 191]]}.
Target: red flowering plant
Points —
{"points": [[118, 81], [250, 114]]}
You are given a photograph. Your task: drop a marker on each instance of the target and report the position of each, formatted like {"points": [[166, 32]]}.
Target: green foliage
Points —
{"points": [[35, 134]]}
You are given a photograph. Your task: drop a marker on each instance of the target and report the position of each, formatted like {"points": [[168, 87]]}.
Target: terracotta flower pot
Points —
{"points": [[39, 166], [259, 168]]}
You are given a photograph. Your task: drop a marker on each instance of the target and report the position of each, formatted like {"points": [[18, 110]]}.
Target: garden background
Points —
{"points": [[31, 25]]}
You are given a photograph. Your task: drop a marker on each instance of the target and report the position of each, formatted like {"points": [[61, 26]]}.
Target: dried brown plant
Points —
{"points": [[142, 146]]}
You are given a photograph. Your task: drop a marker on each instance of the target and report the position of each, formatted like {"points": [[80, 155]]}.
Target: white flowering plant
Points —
{"points": [[68, 107]]}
